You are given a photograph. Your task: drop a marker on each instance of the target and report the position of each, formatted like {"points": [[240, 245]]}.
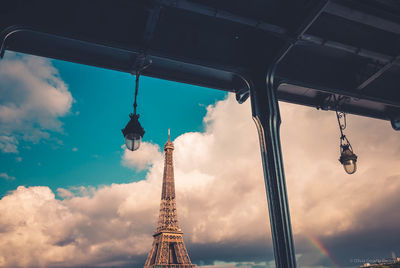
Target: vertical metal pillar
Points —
{"points": [[266, 115]]}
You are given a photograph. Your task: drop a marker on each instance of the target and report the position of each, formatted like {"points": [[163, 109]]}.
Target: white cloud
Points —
{"points": [[18, 159], [143, 158], [8, 144], [220, 193], [74, 149], [6, 176], [65, 193], [33, 98], [38, 230]]}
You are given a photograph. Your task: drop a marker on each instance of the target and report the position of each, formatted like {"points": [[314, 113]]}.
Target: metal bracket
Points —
{"points": [[5, 34], [141, 62], [242, 95], [378, 73], [395, 123]]}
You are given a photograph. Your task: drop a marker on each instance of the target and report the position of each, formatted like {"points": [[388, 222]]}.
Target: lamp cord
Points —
{"points": [[342, 125], [141, 63], [136, 91]]}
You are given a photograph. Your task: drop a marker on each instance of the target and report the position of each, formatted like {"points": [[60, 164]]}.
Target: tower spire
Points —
{"points": [[168, 250], [168, 219]]}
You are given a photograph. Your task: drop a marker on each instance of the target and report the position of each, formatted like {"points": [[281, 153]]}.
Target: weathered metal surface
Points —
{"points": [[219, 44]]}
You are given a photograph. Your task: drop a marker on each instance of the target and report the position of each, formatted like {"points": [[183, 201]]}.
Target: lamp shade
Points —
{"points": [[348, 159], [132, 141], [133, 133]]}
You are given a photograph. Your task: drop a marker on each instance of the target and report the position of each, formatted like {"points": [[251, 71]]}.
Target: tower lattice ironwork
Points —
{"points": [[168, 249]]}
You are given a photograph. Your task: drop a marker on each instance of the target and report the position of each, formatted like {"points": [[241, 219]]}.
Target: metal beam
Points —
{"points": [[151, 24], [308, 39], [276, 30], [266, 115], [225, 15], [376, 75], [362, 17]]}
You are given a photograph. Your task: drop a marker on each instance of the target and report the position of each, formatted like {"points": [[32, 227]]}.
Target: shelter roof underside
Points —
{"points": [[351, 49]]}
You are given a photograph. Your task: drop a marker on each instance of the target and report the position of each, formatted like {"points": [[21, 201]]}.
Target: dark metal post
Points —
{"points": [[266, 115]]}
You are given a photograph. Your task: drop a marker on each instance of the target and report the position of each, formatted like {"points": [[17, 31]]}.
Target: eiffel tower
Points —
{"points": [[168, 249]]}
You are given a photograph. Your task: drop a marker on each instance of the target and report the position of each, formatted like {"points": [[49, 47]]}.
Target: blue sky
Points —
{"points": [[88, 151]]}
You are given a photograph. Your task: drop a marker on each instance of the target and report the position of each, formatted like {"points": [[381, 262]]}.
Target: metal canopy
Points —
{"points": [[307, 52], [351, 49]]}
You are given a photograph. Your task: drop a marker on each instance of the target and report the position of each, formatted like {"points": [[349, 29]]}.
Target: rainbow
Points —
{"points": [[318, 245]]}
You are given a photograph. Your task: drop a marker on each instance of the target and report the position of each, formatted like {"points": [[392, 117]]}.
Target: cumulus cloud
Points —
{"points": [[37, 230], [143, 158], [221, 198], [33, 98], [64, 193], [8, 144], [6, 176]]}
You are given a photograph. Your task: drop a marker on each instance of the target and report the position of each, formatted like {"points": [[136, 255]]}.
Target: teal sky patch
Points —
{"points": [[88, 150]]}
